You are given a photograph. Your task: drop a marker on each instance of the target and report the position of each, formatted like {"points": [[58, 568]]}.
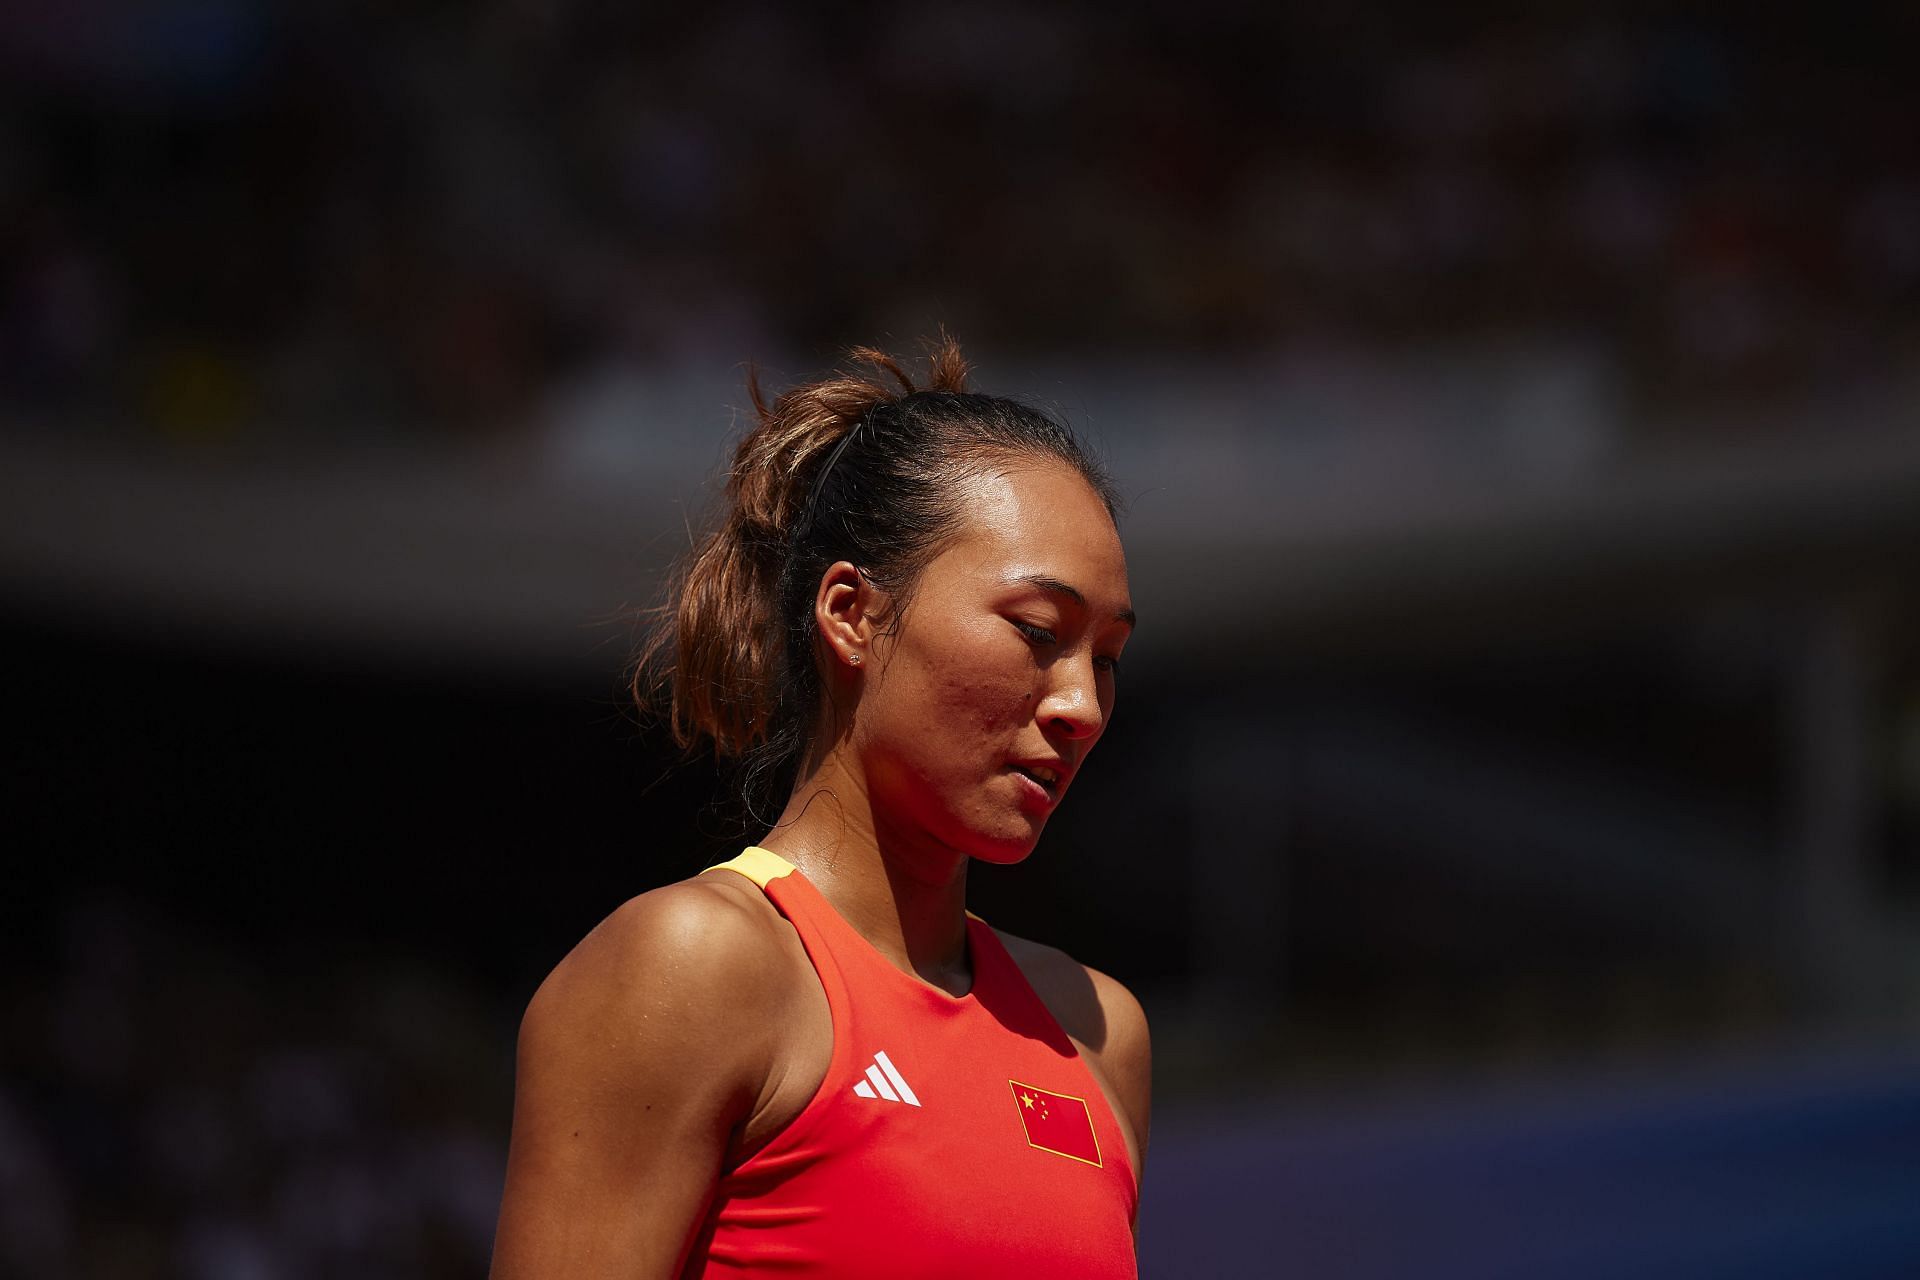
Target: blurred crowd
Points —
{"points": [[170, 1109], [227, 220], [441, 217]]}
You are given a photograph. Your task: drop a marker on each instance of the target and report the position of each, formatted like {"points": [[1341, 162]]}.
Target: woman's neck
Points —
{"points": [[903, 892]]}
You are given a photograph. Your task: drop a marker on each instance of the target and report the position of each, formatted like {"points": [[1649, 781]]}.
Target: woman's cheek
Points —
{"points": [[985, 678]]}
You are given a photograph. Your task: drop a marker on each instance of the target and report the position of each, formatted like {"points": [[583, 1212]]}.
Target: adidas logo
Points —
{"points": [[885, 1081]]}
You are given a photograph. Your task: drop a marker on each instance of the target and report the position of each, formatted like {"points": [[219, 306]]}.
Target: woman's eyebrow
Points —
{"points": [[1048, 583]]}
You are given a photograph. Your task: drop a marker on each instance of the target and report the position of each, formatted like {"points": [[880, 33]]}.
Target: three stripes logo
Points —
{"points": [[885, 1081]]}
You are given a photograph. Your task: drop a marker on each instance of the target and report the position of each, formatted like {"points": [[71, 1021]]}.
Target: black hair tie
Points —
{"points": [[820, 481]]}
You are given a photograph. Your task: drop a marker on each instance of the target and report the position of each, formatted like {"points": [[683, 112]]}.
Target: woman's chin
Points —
{"points": [[1008, 847]]}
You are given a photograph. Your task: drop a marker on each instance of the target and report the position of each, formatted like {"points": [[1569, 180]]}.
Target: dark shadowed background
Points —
{"points": [[1512, 820]]}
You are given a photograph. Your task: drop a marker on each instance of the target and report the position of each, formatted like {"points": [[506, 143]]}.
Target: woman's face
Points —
{"points": [[980, 708]]}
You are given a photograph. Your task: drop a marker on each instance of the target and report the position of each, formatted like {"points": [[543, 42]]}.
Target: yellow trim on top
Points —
{"points": [[756, 864]]}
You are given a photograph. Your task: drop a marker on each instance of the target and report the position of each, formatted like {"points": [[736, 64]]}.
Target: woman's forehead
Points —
{"points": [[1044, 496], [1040, 523]]}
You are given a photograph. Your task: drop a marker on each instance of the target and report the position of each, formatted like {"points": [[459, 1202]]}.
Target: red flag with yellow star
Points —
{"points": [[1056, 1122]]}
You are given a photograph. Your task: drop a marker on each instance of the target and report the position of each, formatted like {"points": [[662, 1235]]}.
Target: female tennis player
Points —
{"points": [[812, 1060]]}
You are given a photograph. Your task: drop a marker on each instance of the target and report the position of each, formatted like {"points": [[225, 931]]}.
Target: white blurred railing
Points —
{"points": [[1295, 495]]}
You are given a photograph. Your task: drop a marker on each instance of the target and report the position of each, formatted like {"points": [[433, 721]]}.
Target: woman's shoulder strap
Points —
{"points": [[756, 864]]}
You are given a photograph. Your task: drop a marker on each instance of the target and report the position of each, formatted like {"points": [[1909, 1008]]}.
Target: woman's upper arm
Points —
{"points": [[638, 1057], [1126, 1059], [1104, 1018]]}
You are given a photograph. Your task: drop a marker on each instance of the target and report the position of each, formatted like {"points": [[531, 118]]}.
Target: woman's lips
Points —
{"points": [[1034, 790]]}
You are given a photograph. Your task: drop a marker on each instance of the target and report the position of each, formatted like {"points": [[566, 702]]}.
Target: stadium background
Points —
{"points": [[1513, 819]]}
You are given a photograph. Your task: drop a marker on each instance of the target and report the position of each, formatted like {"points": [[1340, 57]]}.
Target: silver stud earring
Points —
{"points": [[854, 658]]}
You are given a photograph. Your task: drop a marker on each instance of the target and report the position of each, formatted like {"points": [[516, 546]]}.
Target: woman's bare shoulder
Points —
{"points": [[697, 960], [640, 1057], [1094, 1008]]}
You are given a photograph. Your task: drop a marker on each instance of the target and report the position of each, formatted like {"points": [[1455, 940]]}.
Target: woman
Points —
{"points": [[812, 1059]]}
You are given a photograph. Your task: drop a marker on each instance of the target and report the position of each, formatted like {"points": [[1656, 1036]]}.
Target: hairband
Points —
{"points": [[820, 481]]}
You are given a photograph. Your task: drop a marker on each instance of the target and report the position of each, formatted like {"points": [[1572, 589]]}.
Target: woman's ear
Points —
{"points": [[844, 609]]}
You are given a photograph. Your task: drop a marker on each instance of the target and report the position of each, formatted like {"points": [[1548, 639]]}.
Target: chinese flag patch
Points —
{"points": [[1056, 1122]]}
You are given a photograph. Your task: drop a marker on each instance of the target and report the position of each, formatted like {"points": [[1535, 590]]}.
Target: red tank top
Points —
{"points": [[952, 1136]]}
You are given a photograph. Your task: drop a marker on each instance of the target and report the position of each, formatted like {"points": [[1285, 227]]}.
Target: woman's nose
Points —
{"points": [[1072, 705]]}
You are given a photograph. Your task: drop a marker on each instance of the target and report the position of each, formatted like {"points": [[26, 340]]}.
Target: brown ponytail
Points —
{"points": [[730, 654]]}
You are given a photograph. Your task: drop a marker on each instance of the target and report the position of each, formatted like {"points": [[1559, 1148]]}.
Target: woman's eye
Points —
{"points": [[1106, 663], [1039, 635]]}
